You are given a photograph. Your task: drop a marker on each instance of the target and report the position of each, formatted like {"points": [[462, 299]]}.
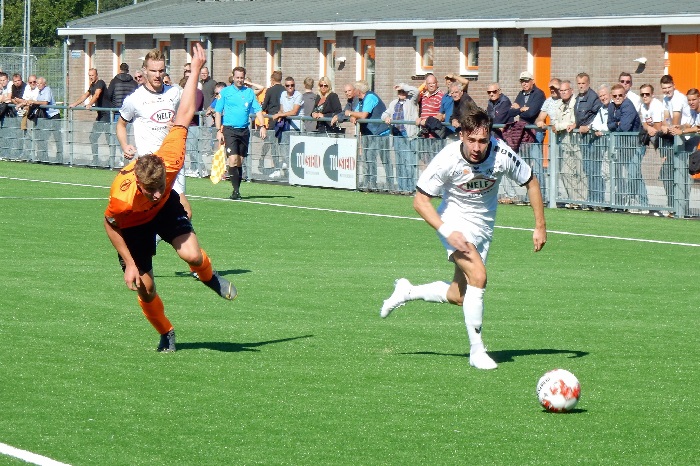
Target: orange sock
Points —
{"points": [[204, 271], [155, 313]]}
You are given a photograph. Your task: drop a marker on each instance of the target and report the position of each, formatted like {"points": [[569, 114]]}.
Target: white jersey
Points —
{"points": [[470, 191], [652, 114], [150, 113]]}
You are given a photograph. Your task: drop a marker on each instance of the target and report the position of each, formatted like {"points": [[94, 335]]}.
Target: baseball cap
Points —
{"points": [[526, 76]]}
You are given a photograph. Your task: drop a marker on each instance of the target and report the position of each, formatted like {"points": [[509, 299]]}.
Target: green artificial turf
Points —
{"points": [[300, 369]]}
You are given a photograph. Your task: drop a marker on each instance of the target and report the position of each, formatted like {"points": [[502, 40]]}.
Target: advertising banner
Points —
{"points": [[322, 161]]}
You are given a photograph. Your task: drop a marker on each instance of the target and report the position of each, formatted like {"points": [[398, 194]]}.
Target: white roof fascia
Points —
{"points": [[539, 23]]}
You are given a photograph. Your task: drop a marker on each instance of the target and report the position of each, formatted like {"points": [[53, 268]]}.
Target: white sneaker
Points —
{"points": [[398, 298], [276, 174], [481, 360]]}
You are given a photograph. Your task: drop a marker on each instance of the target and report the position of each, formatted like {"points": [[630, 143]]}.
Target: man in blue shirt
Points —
{"points": [[237, 102], [374, 135], [50, 126]]}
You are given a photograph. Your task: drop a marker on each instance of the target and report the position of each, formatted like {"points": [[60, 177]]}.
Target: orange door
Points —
{"points": [[542, 58], [683, 57]]}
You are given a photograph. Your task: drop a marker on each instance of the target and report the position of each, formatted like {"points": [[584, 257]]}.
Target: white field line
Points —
{"points": [[28, 457], [349, 212]]}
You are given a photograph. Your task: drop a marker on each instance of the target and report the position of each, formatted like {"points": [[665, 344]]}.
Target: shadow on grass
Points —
{"points": [[232, 347], [508, 355], [223, 273], [571, 411]]}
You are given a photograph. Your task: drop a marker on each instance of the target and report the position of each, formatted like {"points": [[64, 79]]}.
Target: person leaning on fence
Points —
{"points": [[96, 96], [623, 118], [570, 161], [350, 102], [47, 122], [676, 112], [374, 138], [404, 107], [142, 204], [327, 105], [586, 108], [237, 103]]}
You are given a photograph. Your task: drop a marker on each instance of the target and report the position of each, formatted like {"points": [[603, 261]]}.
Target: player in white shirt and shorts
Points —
{"points": [[466, 174], [151, 108]]}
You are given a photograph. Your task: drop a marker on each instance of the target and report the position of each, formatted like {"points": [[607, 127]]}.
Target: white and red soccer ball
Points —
{"points": [[558, 391]]}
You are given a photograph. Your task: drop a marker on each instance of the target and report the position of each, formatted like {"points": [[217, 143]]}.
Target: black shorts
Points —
{"points": [[236, 141], [169, 223]]}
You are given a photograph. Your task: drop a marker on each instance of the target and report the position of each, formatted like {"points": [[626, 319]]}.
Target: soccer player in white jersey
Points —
{"points": [[466, 174], [151, 108]]}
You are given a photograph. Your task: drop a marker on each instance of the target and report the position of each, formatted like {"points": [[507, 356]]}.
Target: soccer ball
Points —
{"points": [[558, 391]]}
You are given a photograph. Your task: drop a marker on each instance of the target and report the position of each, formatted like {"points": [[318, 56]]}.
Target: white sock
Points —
{"points": [[473, 307], [435, 292]]}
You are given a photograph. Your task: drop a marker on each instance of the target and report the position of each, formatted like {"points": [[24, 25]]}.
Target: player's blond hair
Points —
{"points": [[150, 171], [153, 55]]}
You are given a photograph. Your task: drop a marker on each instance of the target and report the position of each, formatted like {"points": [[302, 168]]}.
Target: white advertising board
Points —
{"points": [[324, 162]]}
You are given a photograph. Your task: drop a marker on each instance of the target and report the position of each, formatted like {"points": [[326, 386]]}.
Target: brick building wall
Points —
{"points": [[601, 52], [607, 52]]}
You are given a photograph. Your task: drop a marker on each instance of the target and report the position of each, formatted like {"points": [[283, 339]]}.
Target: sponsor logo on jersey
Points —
{"points": [[125, 185], [163, 116], [478, 185]]}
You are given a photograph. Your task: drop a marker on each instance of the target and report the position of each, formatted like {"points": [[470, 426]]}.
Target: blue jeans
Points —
{"points": [[374, 146], [406, 161]]}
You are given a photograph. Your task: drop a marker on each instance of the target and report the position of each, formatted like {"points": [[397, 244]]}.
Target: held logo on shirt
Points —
{"points": [[478, 184], [124, 186], [163, 116]]}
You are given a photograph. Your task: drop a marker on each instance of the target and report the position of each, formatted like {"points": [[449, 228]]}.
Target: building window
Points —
{"points": [[470, 54], [119, 50], [240, 50], [329, 59], [90, 54], [275, 54], [164, 47], [427, 51], [368, 49]]}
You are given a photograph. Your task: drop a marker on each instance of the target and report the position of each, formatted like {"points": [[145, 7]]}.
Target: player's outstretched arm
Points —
{"points": [[539, 237], [186, 109]]}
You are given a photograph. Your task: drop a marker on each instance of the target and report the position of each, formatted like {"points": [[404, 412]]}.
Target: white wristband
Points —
{"points": [[445, 230]]}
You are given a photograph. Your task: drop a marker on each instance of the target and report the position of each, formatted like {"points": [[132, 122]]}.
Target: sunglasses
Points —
{"points": [[645, 94], [31, 82], [525, 80], [552, 88], [492, 92], [323, 85], [289, 85], [618, 95], [623, 81]]}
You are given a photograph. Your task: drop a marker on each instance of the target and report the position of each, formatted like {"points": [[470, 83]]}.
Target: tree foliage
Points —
{"points": [[46, 16]]}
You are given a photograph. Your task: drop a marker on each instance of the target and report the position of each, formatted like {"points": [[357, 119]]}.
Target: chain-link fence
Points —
{"points": [[41, 61]]}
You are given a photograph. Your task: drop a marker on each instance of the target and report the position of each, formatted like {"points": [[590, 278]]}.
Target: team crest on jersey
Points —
{"points": [[125, 185], [478, 184], [163, 116]]}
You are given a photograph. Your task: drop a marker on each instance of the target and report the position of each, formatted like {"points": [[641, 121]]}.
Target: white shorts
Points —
{"points": [[179, 185], [475, 235]]}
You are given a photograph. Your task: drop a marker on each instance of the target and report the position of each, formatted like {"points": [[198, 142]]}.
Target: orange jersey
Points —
{"points": [[128, 207]]}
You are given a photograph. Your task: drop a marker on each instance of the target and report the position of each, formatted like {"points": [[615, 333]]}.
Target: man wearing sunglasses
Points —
{"points": [[623, 118], [626, 80]]}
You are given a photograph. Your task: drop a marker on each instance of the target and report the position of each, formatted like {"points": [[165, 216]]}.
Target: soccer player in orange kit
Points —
{"points": [[141, 206]]}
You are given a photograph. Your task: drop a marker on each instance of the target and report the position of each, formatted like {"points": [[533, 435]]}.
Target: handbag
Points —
{"points": [[694, 163], [644, 138], [218, 165]]}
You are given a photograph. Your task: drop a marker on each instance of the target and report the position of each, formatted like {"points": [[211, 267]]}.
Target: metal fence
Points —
{"points": [[41, 61], [611, 171]]}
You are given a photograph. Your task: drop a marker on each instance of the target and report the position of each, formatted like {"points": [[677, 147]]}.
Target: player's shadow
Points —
{"points": [[508, 355], [223, 273], [571, 411], [233, 347]]}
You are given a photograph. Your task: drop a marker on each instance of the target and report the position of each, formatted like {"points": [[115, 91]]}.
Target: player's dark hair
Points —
{"points": [[473, 117]]}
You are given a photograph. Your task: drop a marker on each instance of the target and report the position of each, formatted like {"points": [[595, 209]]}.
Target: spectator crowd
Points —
{"points": [[415, 124]]}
